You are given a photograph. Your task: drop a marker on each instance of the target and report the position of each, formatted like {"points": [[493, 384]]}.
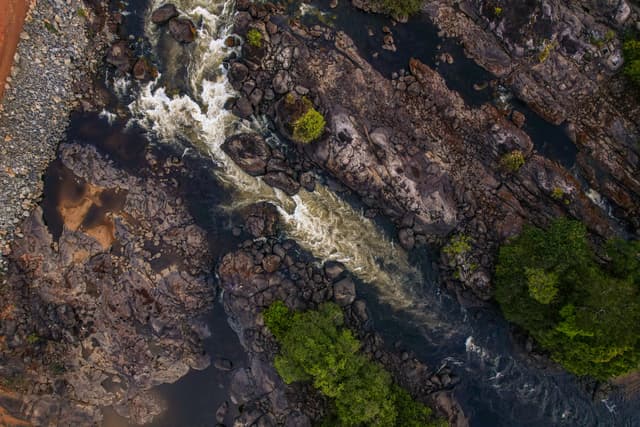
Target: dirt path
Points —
{"points": [[12, 14]]}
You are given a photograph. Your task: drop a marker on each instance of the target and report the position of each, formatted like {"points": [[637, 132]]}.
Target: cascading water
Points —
{"points": [[320, 221], [508, 391]]}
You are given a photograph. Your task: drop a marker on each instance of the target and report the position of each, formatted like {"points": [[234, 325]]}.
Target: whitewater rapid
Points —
{"points": [[321, 222]]}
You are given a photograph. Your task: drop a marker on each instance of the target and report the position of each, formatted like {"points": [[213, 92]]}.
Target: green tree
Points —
{"points": [[587, 315], [401, 7], [631, 52], [315, 347], [543, 286]]}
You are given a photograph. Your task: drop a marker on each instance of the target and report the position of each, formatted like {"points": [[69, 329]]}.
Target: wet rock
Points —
{"points": [[238, 72], [271, 263], [261, 220], [344, 292], [243, 4], [406, 238], [183, 30], [164, 13], [249, 151], [297, 419], [518, 118], [333, 269], [243, 108], [223, 364], [119, 55], [282, 181], [143, 70], [242, 387], [221, 412], [308, 181]]}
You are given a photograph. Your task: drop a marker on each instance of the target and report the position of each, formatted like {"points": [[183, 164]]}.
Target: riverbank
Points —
{"points": [[52, 73], [11, 20]]}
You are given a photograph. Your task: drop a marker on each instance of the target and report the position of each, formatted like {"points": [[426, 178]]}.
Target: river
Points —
{"points": [[500, 385]]}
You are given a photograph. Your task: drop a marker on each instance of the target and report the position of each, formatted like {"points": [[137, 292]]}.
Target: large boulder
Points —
{"points": [[261, 219], [344, 292], [249, 151], [164, 14], [282, 181], [183, 30]]}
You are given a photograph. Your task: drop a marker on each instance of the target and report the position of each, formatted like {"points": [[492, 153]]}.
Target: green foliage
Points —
{"points": [[401, 7], [315, 346], [543, 286], [33, 339], [277, 318], [631, 51], [557, 193], [254, 37], [497, 11], [458, 245], [309, 126], [513, 161], [547, 48], [585, 314]]}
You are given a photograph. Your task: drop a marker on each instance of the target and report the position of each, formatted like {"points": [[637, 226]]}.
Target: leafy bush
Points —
{"points": [[309, 126], [254, 37], [401, 7], [315, 346], [458, 245], [513, 161], [585, 314], [631, 51]]}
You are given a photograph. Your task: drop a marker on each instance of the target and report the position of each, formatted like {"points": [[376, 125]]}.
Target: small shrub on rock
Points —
{"points": [[309, 126], [254, 37], [513, 161]]}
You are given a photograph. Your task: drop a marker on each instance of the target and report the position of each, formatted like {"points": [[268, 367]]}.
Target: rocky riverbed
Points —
{"points": [[410, 147], [268, 269], [109, 280], [60, 50]]}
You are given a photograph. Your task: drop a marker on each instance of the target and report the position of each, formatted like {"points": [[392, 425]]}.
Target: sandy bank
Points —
{"points": [[11, 20]]}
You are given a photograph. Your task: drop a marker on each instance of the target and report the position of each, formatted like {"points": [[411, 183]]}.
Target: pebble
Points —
{"points": [[36, 103]]}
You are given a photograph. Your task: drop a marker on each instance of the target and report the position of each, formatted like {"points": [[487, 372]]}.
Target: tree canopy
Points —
{"points": [[584, 312], [315, 346]]}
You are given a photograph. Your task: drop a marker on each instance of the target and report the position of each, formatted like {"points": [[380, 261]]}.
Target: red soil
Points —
{"points": [[12, 15]]}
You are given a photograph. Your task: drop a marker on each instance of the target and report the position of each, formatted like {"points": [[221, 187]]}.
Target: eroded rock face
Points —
{"points": [[411, 147], [563, 59], [112, 308]]}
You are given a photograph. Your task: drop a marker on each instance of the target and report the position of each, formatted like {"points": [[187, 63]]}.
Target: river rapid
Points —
{"points": [[500, 385]]}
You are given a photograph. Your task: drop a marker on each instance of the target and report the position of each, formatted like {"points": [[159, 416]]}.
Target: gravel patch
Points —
{"points": [[53, 69]]}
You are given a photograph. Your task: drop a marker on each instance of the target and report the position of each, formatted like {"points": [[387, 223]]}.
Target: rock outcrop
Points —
{"points": [[110, 307], [411, 147]]}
